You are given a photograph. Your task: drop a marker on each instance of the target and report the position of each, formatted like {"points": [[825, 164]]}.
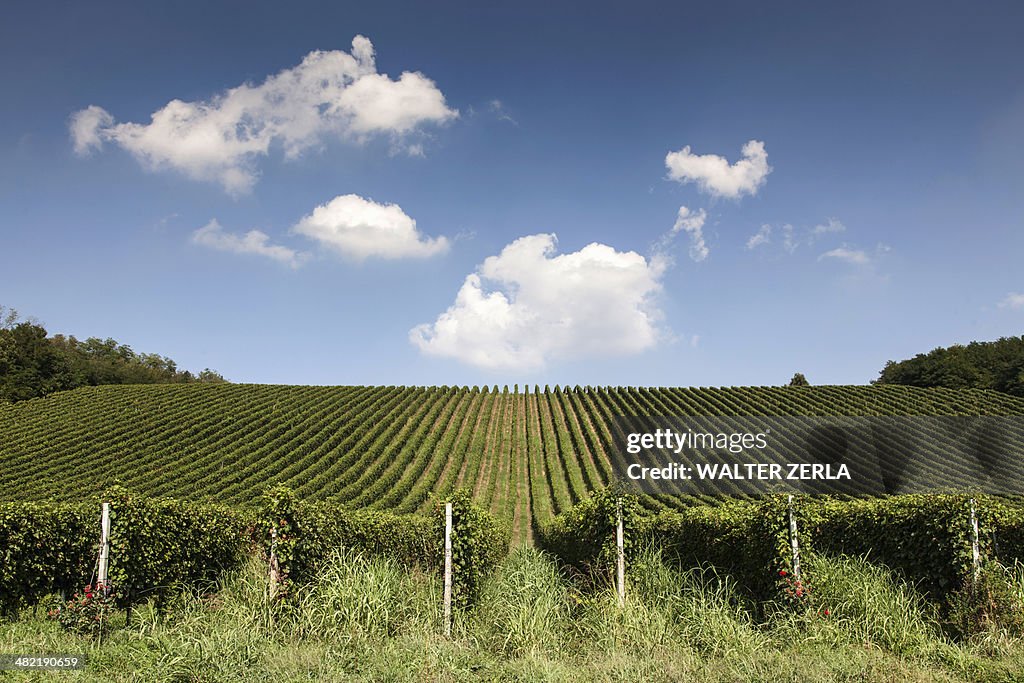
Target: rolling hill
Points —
{"points": [[526, 456]]}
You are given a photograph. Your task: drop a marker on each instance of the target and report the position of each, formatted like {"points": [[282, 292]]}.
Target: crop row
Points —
{"points": [[525, 456]]}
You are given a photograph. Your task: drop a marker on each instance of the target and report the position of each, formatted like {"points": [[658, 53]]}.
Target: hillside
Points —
{"points": [[527, 456]]}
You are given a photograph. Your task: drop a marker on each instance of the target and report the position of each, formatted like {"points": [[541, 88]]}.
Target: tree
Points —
{"points": [[210, 376], [799, 380], [8, 318], [33, 364], [29, 365], [997, 365]]}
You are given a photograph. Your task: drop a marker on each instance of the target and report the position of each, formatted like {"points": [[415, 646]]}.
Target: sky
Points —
{"points": [[683, 194]]}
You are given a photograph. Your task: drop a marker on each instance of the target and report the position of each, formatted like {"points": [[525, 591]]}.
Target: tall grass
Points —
{"points": [[369, 618], [357, 596], [856, 602]]}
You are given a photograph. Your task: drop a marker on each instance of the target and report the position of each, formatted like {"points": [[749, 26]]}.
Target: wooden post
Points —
{"points": [[104, 548], [447, 569], [793, 542], [975, 551], [275, 567], [620, 559]]}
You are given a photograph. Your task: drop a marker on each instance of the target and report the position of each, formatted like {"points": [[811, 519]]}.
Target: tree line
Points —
{"points": [[997, 365], [34, 364]]}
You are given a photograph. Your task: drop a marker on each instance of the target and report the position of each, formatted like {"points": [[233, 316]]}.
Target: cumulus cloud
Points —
{"points": [[528, 306], [762, 236], [716, 176], [693, 224], [220, 139], [214, 236], [361, 228], [1013, 300]]}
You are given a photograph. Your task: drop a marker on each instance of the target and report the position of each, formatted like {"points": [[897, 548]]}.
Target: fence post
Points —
{"points": [[620, 555], [447, 569], [275, 567], [793, 542], [975, 551], [104, 548]]}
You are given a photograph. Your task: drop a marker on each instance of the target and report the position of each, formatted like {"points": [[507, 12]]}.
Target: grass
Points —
{"points": [[369, 619]]}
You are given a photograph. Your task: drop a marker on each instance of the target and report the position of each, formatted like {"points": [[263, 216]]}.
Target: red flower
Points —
{"points": [[782, 572], [827, 613]]}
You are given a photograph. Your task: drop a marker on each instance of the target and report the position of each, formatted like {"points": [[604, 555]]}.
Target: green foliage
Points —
{"points": [[305, 534], [159, 545], [34, 365], [155, 545], [526, 457], [44, 548], [997, 365], [799, 380], [584, 536], [747, 541], [479, 542], [857, 602], [87, 613], [990, 603], [367, 619], [525, 606], [30, 365], [278, 533], [925, 538]]}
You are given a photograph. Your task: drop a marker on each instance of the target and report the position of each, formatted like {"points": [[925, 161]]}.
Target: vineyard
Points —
{"points": [[525, 456]]}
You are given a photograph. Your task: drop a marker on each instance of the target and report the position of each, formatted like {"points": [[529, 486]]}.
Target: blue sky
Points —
{"points": [[876, 148]]}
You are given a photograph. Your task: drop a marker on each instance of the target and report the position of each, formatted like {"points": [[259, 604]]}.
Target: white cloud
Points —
{"points": [[762, 236], [831, 226], [1013, 300], [792, 239], [253, 242], [714, 175], [789, 240], [330, 92], [85, 127], [541, 306], [498, 109], [693, 224], [361, 228], [857, 257]]}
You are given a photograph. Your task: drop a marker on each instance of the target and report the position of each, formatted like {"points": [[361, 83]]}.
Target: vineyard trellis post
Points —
{"points": [[975, 550], [620, 555], [447, 569], [275, 568], [794, 543], [104, 561]]}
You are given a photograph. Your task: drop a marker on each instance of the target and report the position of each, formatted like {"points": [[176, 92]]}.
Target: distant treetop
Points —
{"points": [[33, 364], [997, 365]]}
